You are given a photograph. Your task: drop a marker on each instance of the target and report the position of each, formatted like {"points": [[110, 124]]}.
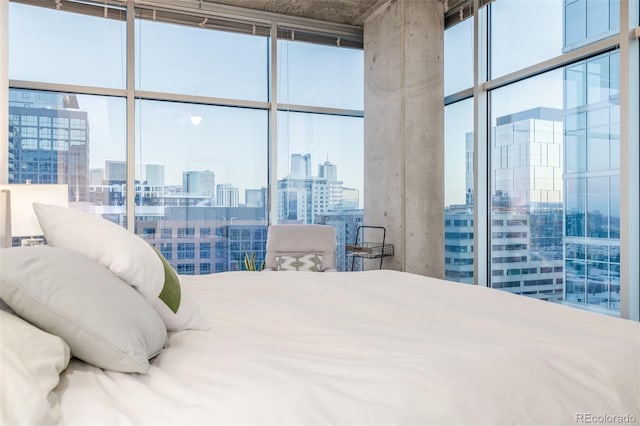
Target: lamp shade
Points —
{"points": [[22, 219]]}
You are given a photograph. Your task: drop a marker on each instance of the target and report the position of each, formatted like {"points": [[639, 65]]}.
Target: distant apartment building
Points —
{"points": [[198, 182], [328, 170], [115, 172], [96, 177], [458, 243], [227, 195], [256, 197], [468, 166], [302, 197], [203, 240], [245, 239], [300, 165], [350, 198], [48, 141], [154, 174], [526, 208], [346, 223]]}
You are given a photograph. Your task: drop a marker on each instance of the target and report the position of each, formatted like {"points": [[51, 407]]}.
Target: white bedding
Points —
{"points": [[378, 347]]}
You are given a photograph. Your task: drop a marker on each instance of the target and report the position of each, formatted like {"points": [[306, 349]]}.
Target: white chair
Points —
{"points": [[300, 240]]}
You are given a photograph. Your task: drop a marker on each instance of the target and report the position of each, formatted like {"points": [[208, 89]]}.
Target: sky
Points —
{"points": [[233, 142]]}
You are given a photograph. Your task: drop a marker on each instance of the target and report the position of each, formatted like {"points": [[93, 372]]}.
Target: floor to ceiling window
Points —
{"points": [[193, 155], [553, 143], [201, 168], [321, 137]]}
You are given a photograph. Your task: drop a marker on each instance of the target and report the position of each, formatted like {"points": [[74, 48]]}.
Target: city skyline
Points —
{"points": [[224, 134], [326, 170]]}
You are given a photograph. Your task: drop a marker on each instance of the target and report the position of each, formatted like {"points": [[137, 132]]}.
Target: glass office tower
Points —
{"points": [[592, 159]]}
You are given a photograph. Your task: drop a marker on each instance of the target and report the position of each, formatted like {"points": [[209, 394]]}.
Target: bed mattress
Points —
{"points": [[376, 347]]}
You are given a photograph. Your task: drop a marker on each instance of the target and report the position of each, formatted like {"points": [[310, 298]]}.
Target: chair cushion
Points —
{"points": [[299, 240]]}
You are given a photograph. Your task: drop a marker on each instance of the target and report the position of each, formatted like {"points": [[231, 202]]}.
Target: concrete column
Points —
{"points": [[4, 91], [404, 131]]}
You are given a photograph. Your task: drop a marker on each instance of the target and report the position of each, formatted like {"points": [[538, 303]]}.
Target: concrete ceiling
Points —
{"points": [[351, 12]]}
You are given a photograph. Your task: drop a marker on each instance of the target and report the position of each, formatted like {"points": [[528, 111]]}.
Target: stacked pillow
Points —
{"points": [[127, 256], [82, 290], [82, 287], [104, 321]]}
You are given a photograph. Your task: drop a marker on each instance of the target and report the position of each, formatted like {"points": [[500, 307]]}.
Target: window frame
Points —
{"points": [[628, 48]]}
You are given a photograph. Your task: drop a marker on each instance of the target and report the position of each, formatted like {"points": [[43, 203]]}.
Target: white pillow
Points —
{"points": [[308, 262], [103, 320], [126, 255], [30, 364]]}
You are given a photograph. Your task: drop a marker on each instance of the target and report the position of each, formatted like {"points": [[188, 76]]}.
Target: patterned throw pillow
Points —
{"points": [[309, 262]]}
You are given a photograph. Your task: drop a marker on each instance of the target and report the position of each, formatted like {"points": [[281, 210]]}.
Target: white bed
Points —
{"points": [[377, 347]]}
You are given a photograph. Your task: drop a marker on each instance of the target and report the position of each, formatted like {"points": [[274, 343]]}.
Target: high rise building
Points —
{"points": [[458, 243], [115, 172], [526, 175], [154, 174], [468, 165], [49, 141], [299, 199], [350, 198], [526, 157], [255, 197], [246, 240], [592, 160], [300, 165], [526, 208], [200, 239], [96, 177], [328, 170], [198, 182], [301, 196], [346, 223], [227, 195]]}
